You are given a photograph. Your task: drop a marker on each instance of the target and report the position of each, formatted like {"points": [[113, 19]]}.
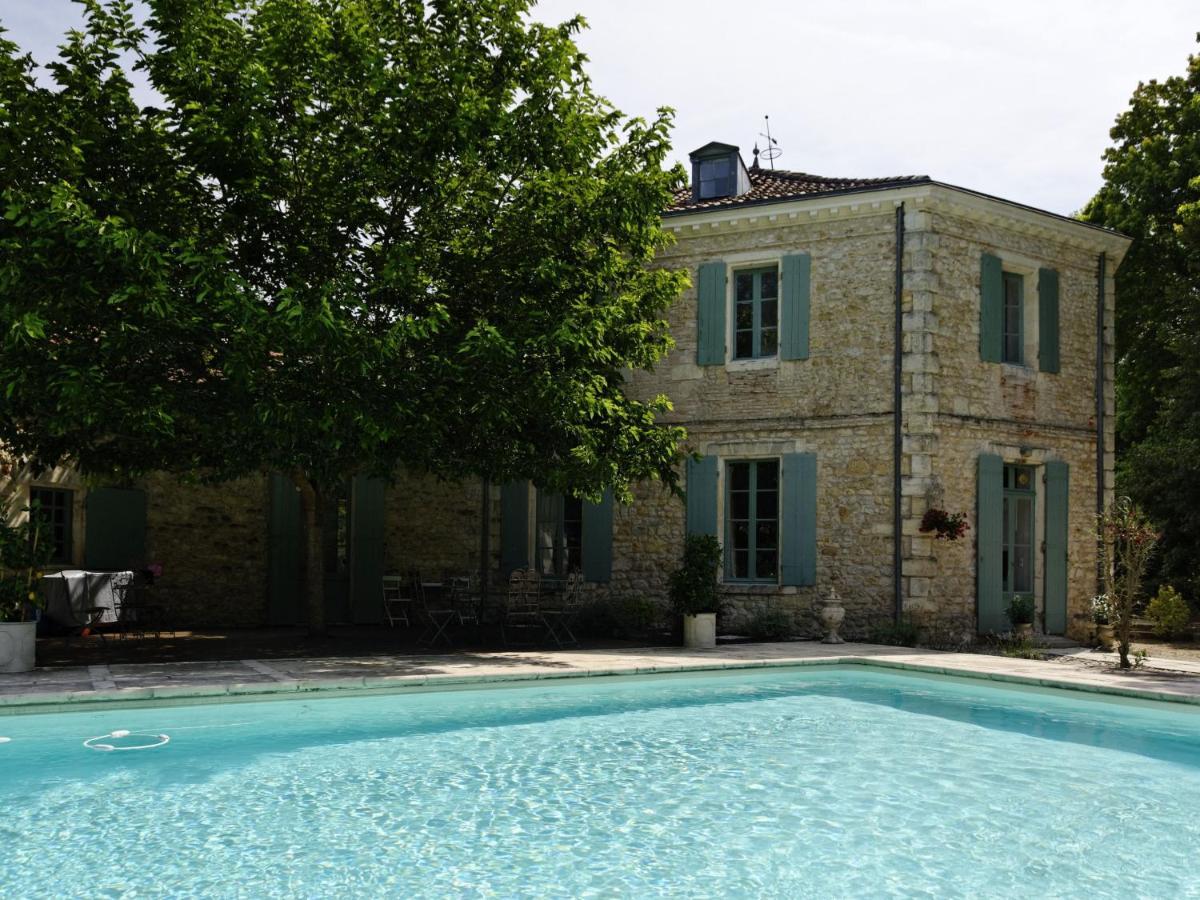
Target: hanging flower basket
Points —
{"points": [[945, 526]]}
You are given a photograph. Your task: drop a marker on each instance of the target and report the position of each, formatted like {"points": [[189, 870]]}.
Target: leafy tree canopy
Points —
{"points": [[346, 235], [1152, 192]]}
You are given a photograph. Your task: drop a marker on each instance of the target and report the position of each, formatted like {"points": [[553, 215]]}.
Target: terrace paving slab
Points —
{"points": [[45, 689]]}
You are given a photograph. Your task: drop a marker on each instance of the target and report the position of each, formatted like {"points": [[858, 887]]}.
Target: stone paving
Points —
{"points": [[43, 689]]}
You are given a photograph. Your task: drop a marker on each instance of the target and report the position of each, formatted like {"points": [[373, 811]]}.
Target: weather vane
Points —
{"points": [[773, 150]]}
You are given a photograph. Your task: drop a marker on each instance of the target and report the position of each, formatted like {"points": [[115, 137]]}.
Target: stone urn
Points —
{"points": [[832, 614], [18, 646]]}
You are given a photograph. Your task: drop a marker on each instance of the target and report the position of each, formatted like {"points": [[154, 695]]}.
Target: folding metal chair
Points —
{"points": [[438, 613], [396, 601], [522, 609], [561, 617]]}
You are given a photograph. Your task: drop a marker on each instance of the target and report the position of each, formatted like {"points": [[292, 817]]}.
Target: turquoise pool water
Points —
{"points": [[798, 783]]}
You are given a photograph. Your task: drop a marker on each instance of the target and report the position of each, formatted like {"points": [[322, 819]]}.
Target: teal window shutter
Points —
{"points": [[283, 550], [794, 314], [702, 496], [710, 310], [596, 549], [367, 528], [1057, 482], [1048, 320], [799, 551], [115, 529], [514, 526], [989, 544], [991, 309]]}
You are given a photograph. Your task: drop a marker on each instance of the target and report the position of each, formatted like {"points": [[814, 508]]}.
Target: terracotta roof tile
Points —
{"points": [[768, 185]]}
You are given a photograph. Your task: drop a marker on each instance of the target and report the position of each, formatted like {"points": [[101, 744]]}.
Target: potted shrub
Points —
{"points": [[1020, 613], [1170, 613], [694, 590], [22, 555], [1102, 618]]}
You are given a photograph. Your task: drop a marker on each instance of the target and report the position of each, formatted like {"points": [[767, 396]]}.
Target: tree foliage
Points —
{"points": [[1152, 192], [347, 235]]}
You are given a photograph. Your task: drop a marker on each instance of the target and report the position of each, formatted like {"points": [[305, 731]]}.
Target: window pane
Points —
{"points": [[739, 505], [766, 564], [744, 348], [769, 342], [768, 475], [1024, 523], [744, 287], [741, 535], [766, 535], [769, 313], [769, 285], [739, 476], [768, 504], [745, 316], [741, 564], [1022, 570]]}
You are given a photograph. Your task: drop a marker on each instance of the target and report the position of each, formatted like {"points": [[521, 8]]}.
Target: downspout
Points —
{"points": [[897, 418], [485, 540], [1101, 275]]}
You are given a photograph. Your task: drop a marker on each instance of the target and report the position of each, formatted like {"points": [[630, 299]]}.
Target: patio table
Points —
{"points": [[77, 597]]}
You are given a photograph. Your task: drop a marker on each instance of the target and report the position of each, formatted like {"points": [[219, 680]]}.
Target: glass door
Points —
{"points": [[1018, 531]]}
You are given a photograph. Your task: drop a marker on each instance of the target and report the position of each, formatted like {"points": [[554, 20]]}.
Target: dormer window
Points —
{"points": [[718, 171], [716, 177]]}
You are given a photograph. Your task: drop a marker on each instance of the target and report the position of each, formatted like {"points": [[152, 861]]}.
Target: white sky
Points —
{"points": [[1013, 98]]}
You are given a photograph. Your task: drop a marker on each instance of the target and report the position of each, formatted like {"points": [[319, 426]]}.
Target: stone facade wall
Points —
{"points": [[837, 404]]}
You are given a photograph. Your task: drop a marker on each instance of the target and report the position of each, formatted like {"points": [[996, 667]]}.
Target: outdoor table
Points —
{"points": [[76, 597]]}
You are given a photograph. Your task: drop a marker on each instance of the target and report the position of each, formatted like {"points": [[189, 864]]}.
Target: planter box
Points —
{"points": [[700, 632], [18, 646]]}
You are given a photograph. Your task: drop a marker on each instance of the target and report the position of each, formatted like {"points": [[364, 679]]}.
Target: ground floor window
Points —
{"points": [[559, 531], [1017, 524], [752, 520], [54, 507]]}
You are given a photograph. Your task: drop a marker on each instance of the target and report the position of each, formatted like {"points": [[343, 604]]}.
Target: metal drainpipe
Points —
{"points": [[897, 418], [485, 539], [1101, 274]]}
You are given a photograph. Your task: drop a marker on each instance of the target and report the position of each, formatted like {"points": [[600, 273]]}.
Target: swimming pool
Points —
{"points": [[798, 783]]}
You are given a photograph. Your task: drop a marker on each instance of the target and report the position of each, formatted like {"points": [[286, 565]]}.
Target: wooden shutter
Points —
{"points": [[115, 535], [1048, 320], [1057, 482], [597, 539], [366, 549], [989, 549], [991, 309], [798, 548], [514, 526], [710, 300], [702, 496], [283, 550], [794, 312]]}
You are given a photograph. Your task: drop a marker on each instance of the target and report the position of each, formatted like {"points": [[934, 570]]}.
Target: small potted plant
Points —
{"points": [[23, 552], [694, 590], [944, 526], [1020, 613], [1102, 618]]}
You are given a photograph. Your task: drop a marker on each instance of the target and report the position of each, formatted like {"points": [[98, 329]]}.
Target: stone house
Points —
{"points": [[852, 354]]}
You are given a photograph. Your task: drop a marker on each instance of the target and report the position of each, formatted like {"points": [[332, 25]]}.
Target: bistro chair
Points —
{"points": [[396, 601], [522, 610], [437, 612], [565, 611]]}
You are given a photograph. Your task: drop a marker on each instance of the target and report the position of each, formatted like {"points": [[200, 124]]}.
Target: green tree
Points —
{"points": [[346, 236], [1152, 192]]}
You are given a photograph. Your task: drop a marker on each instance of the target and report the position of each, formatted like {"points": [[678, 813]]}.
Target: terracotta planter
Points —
{"points": [[1105, 636], [18, 646], [1023, 630], [700, 631]]}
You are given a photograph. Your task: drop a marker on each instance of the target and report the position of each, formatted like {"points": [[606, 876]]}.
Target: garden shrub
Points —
{"points": [[1170, 613], [770, 624]]}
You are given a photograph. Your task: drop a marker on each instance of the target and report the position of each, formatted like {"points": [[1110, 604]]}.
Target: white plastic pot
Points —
{"points": [[18, 646], [700, 631]]}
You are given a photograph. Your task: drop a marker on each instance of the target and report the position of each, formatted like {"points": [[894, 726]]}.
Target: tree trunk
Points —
{"points": [[312, 510]]}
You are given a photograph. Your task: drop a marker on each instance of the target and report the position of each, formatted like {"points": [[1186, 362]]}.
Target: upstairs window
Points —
{"points": [[1014, 319], [53, 507], [756, 313]]}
